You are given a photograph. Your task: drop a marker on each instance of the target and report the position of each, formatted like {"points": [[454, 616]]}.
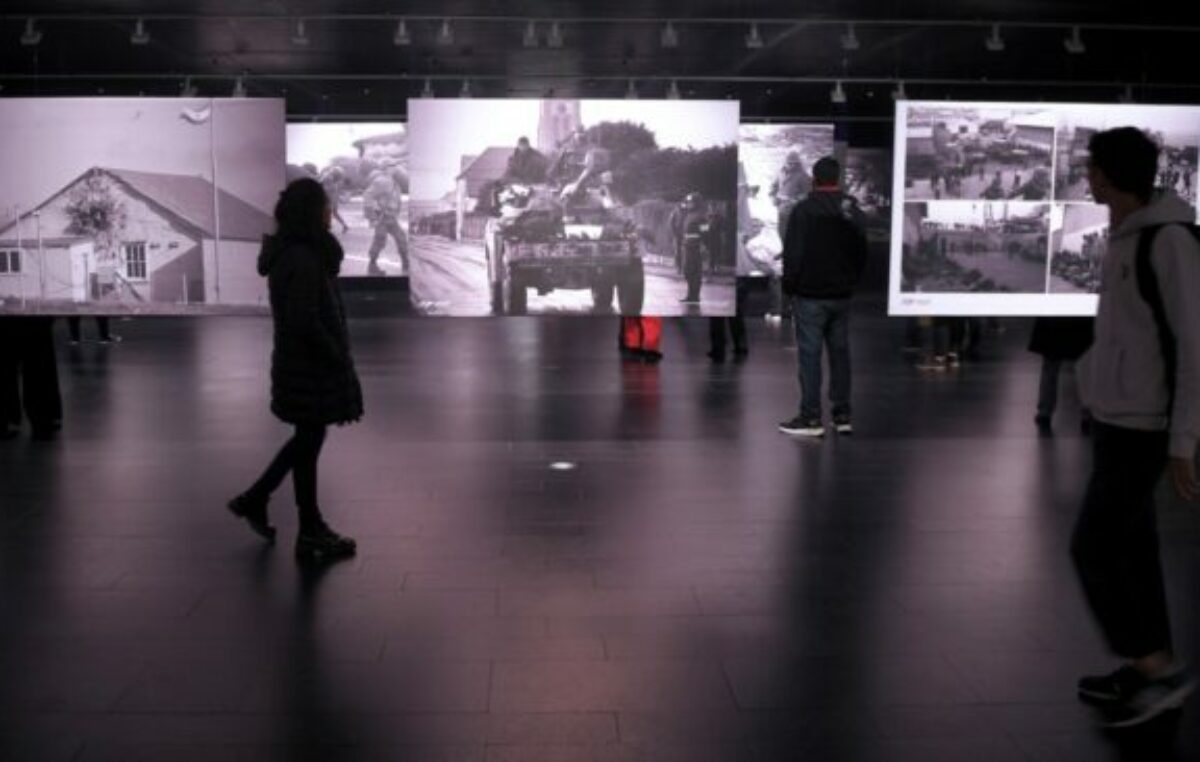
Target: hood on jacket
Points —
{"points": [[831, 203], [1165, 208]]}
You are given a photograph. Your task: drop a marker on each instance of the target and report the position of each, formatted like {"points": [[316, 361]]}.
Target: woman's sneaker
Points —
{"points": [[1111, 688], [254, 511], [803, 427], [321, 544], [1154, 697]]}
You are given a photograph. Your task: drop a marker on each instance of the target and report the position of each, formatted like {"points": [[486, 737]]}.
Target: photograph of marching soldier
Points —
{"points": [[980, 247], [979, 153], [777, 161], [364, 169], [1175, 130], [582, 207]]}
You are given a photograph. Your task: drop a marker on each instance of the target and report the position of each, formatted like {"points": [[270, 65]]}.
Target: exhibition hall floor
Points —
{"points": [[694, 587]]}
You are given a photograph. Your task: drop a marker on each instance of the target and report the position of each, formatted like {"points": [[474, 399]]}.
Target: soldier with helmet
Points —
{"points": [[691, 227], [382, 207]]}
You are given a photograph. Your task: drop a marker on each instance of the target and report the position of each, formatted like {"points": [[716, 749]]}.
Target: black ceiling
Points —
{"points": [[352, 68]]}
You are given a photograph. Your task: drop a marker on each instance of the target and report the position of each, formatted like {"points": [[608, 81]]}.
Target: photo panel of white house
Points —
{"points": [[993, 212], [364, 168], [775, 164], [573, 207], [136, 206]]}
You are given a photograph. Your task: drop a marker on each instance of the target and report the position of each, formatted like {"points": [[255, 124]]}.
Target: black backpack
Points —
{"points": [[1147, 281]]}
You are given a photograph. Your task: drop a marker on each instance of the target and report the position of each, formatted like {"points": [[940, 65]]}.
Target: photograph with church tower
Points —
{"points": [[575, 207]]}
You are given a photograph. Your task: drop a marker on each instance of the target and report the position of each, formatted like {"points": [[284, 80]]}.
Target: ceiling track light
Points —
{"points": [[445, 35], [32, 35], [555, 38], [529, 39], [850, 39], [239, 88], [994, 43], [1126, 96], [1074, 44], [402, 37], [754, 40], [140, 36], [669, 37], [838, 93], [899, 93], [465, 92], [673, 91], [427, 90], [631, 92], [300, 37], [187, 89]]}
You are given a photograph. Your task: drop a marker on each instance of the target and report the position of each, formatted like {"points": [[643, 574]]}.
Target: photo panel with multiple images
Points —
{"points": [[994, 214], [573, 207]]}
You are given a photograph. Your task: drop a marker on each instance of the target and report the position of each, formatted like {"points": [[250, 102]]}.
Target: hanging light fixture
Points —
{"points": [[300, 37], [994, 43], [673, 91], [631, 92], [239, 88], [1074, 44], [838, 93], [402, 37], [669, 37], [187, 89], [445, 35], [850, 39], [899, 93], [427, 90], [139, 36], [32, 36], [529, 39], [555, 38], [465, 92], [754, 40]]}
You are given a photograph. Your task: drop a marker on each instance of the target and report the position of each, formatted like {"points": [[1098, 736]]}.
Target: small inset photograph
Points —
{"points": [[1077, 243], [977, 247], [971, 152], [1176, 131]]}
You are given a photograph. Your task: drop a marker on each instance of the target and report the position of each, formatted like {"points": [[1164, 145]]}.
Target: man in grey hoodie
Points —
{"points": [[1141, 380]]}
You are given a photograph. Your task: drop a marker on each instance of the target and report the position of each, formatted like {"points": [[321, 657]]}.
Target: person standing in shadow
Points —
{"points": [[29, 377], [313, 380], [103, 333], [1058, 340]]}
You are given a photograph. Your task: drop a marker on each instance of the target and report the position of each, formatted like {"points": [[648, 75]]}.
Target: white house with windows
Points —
{"points": [[177, 240]]}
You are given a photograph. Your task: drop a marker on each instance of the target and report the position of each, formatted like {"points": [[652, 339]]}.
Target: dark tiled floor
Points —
{"points": [[699, 588]]}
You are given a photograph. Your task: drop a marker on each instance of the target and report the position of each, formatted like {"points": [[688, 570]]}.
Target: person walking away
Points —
{"points": [[1141, 380], [823, 258], [1059, 340], [313, 380]]}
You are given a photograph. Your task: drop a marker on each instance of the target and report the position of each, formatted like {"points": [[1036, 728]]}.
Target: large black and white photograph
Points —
{"points": [[364, 168], [136, 206], [1176, 130], [975, 247], [868, 177], [978, 152], [777, 162], [573, 207], [1078, 233]]}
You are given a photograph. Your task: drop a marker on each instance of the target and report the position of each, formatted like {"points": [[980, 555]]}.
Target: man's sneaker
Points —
{"points": [[254, 511], [321, 544], [803, 427], [843, 425], [1111, 688], [1154, 697]]}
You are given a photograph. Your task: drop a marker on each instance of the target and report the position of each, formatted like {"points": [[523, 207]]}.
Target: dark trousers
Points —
{"points": [[388, 226], [75, 327], [299, 457], [1115, 544], [736, 324], [693, 271], [1048, 387], [29, 372], [823, 325]]}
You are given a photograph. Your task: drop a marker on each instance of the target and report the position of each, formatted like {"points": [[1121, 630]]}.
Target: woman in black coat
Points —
{"points": [[313, 381], [1058, 340]]}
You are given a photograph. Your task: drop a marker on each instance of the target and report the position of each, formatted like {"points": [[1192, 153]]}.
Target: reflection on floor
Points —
{"points": [[699, 587]]}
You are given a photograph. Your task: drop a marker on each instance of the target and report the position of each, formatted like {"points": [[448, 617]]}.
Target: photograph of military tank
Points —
{"points": [[593, 207]]}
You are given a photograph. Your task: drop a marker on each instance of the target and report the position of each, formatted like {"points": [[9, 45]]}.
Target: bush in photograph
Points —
{"points": [[96, 212]]}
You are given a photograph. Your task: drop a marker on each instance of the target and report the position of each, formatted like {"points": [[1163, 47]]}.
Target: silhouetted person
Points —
{"points": [[313, 381], [640, 338], [735, 326], [1059, 340], [1141, 381], [526, 165], [29, 377]]}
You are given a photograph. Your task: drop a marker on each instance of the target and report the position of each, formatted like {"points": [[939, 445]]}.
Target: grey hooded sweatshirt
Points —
{"points": [[1122, 378]]}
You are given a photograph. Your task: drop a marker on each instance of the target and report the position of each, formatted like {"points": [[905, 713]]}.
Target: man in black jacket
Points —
{"points": [[824, 252]]}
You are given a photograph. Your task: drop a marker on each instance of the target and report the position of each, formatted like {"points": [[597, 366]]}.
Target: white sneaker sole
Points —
{"points": [[1167, 703], [811, 433], [845, 428]]}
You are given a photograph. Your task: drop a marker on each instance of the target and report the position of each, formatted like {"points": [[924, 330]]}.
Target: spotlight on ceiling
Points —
{"points": [[850, 39], [673, 91], [899, 93], [529, 39], [1074, 44], [554, 39], [1126, 96], [402, 37], [427, 90], [187, 89], [445, 35], [465, 92], [994, 42], [32, 35], [754, 40], [239, 88], [669, 37], [838, 93], [300, 36], [140, 36], [631, 91]]}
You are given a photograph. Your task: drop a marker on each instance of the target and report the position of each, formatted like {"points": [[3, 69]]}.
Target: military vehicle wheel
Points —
{"points": [[513, 293], [602, 293], [631, 289]]}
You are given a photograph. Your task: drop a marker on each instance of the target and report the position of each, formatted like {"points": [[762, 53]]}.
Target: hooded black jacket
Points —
{"points": [[825, 246], [313, 380]]}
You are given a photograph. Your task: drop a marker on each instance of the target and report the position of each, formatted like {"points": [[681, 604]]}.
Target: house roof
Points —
{"points": [[188, 199], [488, 165]]}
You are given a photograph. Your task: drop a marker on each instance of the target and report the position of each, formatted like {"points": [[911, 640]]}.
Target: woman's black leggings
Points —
{"points": [[299, 456]]}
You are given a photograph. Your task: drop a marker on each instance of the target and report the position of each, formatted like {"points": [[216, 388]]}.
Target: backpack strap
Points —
{"points": [[1147, 282]]}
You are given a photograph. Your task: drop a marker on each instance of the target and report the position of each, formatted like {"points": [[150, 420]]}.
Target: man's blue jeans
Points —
{"points": [[823, 325]]}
